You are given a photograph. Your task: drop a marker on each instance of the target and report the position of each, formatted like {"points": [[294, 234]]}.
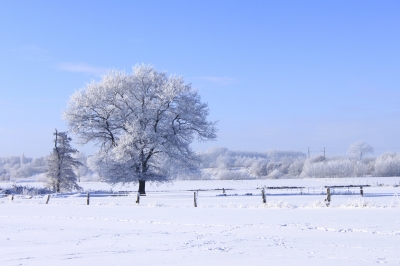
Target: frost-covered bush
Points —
{"points": [[272, 166], [209, 158], [296, 167], [243, 161], [339, 168], [387, 164], [258, 164], [259, 167], [28, 170], [20, 167], [26, 190], [91, 177], [370, 163], [318, 159], [316, 204], [223, 158], [93, 162], [328, 168], [262, 168], [359, 169], [275, 174], [233, 175], [225, 162], [279, 204], [12, 161], [82, 170], [359, 203], [4, 177]]}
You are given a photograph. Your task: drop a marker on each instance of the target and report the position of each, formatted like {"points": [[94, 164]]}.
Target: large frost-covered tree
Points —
{"points": [[60, 164], [359, 149], [143, 122]]}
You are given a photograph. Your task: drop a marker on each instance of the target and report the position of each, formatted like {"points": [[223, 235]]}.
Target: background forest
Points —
{"points": [[225, 164]]}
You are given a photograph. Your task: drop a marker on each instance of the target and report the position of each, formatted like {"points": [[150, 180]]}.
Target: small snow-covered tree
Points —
{"points": [[61, 163], [143, 122], [359, 149]]}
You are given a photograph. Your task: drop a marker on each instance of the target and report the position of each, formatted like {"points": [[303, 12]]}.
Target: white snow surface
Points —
{"points": [[294, 227]]}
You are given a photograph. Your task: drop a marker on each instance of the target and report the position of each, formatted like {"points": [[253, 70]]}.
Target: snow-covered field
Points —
{"points": [[294, 228]]}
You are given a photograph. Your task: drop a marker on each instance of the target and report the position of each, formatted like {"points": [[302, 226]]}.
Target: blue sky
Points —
{"points": [[283, 75]]}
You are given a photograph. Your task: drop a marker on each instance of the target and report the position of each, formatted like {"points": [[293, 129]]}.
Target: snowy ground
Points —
{"points": [[293, 228]]}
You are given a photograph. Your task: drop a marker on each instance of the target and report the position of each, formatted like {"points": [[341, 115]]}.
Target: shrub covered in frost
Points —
{"points": [[25, 190], [359, 169], [387, 164], [316, 204], [279, 204], [233, 175], [359, 203], [296, 167], [328, 168], [275, 174]]}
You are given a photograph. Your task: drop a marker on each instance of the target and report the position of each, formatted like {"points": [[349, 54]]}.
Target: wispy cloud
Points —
{"points": [[82, 68], [222, 81]]}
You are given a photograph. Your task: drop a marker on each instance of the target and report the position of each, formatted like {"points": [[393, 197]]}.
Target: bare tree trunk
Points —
{"points": [[142, 185], [58, 186]]}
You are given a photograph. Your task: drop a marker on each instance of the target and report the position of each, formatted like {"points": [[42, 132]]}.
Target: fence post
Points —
{"points": [[12, 197], [87, 198], [361, 192], [264, 198], [223, 191], [138, 198], [48, 198], [328, 197], [195, 199]]}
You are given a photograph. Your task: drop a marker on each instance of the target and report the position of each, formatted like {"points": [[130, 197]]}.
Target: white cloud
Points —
{"points": [[82, 68]]}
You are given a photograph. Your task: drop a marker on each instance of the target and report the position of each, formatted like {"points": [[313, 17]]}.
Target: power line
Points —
{"points": [[324, 150], [380, 149], [309, 152]]}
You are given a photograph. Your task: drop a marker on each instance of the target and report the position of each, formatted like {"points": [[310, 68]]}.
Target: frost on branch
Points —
{"points": [[143, 122]]}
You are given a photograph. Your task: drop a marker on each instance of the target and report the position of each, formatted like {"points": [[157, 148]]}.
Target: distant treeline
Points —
{"points": [[15, 167], [222, 163], [226, 164]]}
